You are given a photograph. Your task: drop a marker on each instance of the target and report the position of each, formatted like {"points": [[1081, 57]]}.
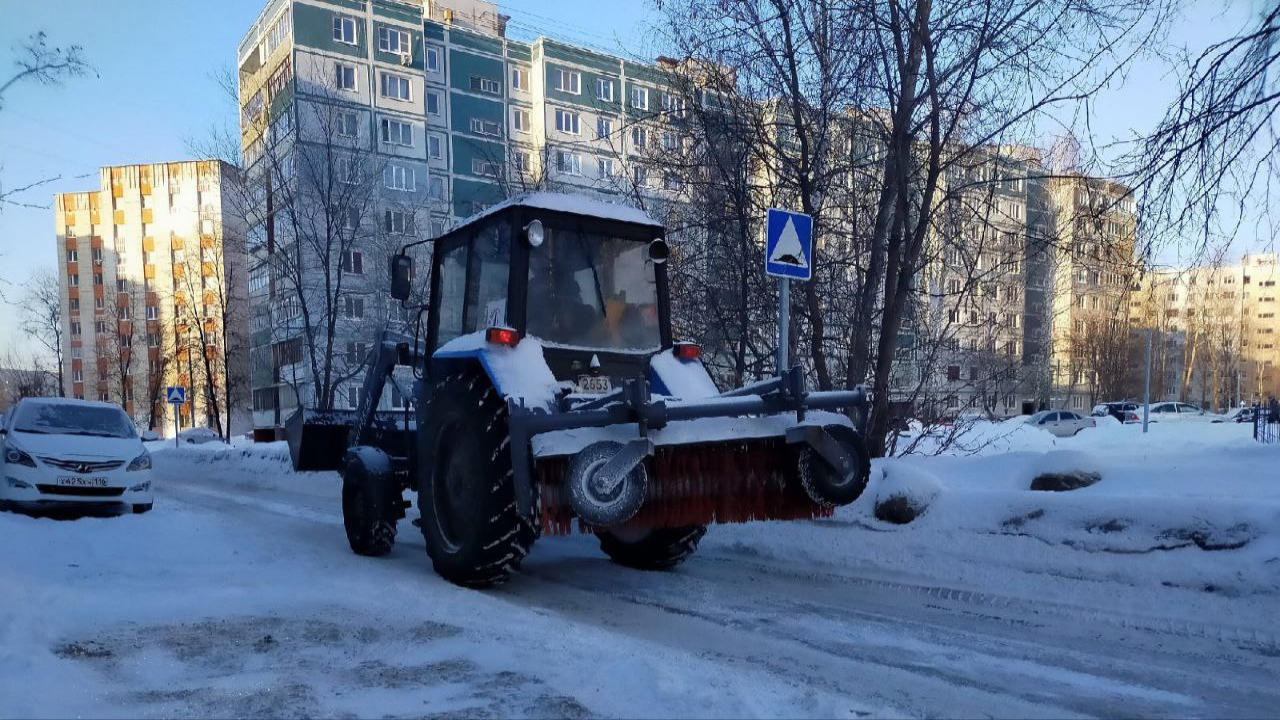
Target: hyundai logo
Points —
{"points": [[84, 468]]}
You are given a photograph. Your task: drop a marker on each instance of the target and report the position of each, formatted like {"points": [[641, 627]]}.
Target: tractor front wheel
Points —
{"points": [[475, 535], [370, 502], [656, 549]]}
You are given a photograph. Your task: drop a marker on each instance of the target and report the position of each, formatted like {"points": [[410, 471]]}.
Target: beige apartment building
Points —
{"points": [[1216, 330], [1093, 273], [154, 291]]}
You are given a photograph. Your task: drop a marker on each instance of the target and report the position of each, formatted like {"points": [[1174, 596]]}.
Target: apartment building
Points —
{"points": [[430, 113], [1216, 330], [1093, 273], [153, 280]]}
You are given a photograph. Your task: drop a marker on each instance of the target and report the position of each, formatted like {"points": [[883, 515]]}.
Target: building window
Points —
{"points": [[153, 339], [673, 104], [568, 163], [398, 222], [670, 141], [75, 304], [75, 328], [399, 177], [433, 103], [395, 87], [520, 120], [97, 279], [344, 29], [396, 132], [435, 188], [77, 375], [604, 89], [356, 353], [485, 169], [485, 127], [100, 327], [72, 256], [566, 121], [393, 41], [99, 304], [433, 60], [520, 162], [153, 313], [671, 182], [353, 262], [353, 307], [347, 124], [604, 128], [73, 280], [640, 98], [953, 373], [568, 81], [485, 85], [346, 76], [639, 138], [519, 79], [605, 167], [347, 171], [435, 147], [640, 175]]}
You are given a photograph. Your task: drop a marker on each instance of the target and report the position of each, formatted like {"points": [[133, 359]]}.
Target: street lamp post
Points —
{"points": [[1146, 383]]}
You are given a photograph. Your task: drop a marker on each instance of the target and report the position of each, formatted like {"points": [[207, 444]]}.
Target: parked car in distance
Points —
{"points": [[1125, 412], [954, 414], [1238, 415], [198, 436], [1063, 423], [1180, 411], [63, 454]]}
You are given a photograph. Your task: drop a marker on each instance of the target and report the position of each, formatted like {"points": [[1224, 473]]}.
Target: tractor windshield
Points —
{"points": [[594, 291]]}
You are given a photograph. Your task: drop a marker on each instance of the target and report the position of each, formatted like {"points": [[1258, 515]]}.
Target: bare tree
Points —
{"points": [[42, 321]]}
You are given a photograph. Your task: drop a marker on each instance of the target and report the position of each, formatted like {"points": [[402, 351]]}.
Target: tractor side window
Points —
{"points": [[487, 284], [453, 290]]}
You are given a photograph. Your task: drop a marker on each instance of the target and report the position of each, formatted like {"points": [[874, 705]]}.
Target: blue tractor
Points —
{"points": [[549, 392]]}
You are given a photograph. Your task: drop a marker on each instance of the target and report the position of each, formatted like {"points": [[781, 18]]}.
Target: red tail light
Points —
{"points": [[502, 336], [687, 351]]}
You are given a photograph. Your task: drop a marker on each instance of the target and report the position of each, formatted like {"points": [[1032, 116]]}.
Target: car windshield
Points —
{"points": [[68, 419], [590, 290]]}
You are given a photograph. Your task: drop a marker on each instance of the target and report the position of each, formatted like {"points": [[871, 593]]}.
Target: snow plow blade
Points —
{"points": [[318, 441]]}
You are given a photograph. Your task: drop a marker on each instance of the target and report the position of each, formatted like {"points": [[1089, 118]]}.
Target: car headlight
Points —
{"points": [[16, 483], [141, 487], [142, 462], [15, 456]]}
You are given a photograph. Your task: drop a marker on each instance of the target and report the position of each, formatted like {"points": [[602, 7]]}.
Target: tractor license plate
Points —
{"points": [[73, 481], [594, 385]]}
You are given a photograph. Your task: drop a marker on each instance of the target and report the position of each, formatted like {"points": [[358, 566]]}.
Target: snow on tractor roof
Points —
{"points": [[576, 204]]}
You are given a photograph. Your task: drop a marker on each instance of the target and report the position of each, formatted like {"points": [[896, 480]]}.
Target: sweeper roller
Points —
{"points": [[549, 396]]}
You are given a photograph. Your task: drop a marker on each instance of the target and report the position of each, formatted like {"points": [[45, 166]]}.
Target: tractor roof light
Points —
{"points": [[687, 351], [533, 233], [502, 336]]}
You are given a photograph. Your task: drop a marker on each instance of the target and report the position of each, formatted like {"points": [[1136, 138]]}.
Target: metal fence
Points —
{"points": [[1266, 424]]}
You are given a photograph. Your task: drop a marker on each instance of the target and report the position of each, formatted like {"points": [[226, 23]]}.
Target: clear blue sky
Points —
{"points": [[154, 90]]}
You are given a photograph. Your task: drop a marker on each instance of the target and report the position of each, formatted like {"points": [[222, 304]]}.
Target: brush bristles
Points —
{"points": [[733, 482]]}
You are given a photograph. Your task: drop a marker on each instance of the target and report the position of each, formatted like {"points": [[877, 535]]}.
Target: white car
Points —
{"points": [[1180, 411], [66, 454], [1062, 423]]}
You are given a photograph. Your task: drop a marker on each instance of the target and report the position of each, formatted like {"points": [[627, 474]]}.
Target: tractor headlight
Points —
{"points": [[142, 462], [14, 456], [533, 233]]}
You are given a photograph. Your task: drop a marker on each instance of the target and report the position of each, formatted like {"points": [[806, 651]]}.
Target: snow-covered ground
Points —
{"points": [[1153, 592]]}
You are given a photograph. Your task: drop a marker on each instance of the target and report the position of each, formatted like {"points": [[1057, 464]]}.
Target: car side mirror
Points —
{"points": [[401, 276], [659, 251], [150, 435]]}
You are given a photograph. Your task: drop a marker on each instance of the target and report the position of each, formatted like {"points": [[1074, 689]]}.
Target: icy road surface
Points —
{"points": [[238, 596]]}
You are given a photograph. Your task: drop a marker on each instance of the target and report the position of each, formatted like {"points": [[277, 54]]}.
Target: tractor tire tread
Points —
{"points": [[662, 549]]}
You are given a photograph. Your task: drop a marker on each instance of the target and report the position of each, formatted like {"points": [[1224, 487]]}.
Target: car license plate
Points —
{"points": [[74, 481], [594, 384]]}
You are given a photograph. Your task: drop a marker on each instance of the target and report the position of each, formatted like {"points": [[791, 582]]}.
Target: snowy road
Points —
{"points": [[238, 596]]}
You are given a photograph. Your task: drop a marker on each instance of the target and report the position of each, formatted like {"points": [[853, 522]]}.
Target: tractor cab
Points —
{"points": [[587, 278]]}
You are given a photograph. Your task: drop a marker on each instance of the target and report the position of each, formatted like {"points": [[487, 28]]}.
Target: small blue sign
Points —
{"points": [[175, 395], [788, 248]]}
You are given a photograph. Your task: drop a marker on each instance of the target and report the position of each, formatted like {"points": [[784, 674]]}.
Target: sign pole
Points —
{"points": [[175, 423], [784, 322]]}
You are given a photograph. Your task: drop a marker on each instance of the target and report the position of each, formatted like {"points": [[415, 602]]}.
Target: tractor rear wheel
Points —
{"points": [[370, 502], [475, 535], [658, 549]]}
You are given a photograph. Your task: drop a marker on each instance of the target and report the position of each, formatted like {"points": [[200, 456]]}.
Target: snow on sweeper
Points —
{"points": [[548, 389]]}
